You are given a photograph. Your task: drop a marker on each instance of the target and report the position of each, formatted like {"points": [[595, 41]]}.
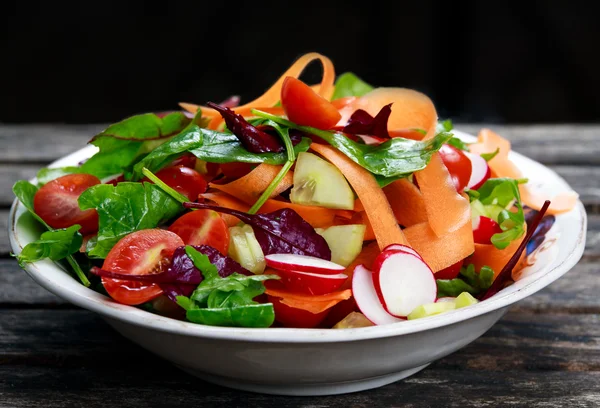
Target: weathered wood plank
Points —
{"points": [[553, 144], [9, 174], [557, 144], [4, 244], [59, 358], [18, 289], [43, 142]]}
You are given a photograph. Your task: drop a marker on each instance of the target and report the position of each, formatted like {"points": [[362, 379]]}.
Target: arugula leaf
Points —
{"points": [[348, 84], [257, 315], [489, 156], [25, 192], [210, 146], [125, 208], [470, 281], [56, 245], [393, 158], [504, 192], [459, 144]]}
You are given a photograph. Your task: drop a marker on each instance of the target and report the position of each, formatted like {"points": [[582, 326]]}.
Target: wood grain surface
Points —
{"points": [[544, 353]]}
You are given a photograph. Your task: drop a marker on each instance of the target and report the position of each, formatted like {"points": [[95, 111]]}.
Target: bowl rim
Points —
{"points": [[84, 297]]}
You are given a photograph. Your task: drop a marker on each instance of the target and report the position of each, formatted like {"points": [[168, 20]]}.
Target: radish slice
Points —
{"points": [[403, 282], [480, 171], [311, 283], [445, 299], [483, 230], [403, 248], [302, 263], [366, 297]]}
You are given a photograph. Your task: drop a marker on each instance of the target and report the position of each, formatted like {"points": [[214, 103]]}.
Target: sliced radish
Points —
{"points": [[311, 283], [302, 263], [480, 171], [483, 229], [404, 248], [445, 299], [366, 297], [403, 281]]}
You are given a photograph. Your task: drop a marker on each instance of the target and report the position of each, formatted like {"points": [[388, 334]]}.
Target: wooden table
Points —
{"points": [[544, 353]]}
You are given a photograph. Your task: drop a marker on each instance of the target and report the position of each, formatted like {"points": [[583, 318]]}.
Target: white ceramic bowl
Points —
{"points": [[314, 361]]}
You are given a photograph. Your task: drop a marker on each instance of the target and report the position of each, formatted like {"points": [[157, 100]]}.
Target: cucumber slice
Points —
{"points": [[465, 299], [318, 182], [245, 249], [345, 242], [431, 309]]}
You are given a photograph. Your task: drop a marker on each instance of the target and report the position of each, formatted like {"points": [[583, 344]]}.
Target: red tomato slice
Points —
{"points": [[184, 180], [305, 107], [458, 165], [292, 317], [450, 272], [139, 253], [56, 203], [202, 227]]}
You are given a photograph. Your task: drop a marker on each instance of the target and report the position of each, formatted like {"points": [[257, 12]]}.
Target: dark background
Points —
{"points": [[526, 62]]}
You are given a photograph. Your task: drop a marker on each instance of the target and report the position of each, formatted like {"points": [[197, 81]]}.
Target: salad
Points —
{"points": [[335, 205]]}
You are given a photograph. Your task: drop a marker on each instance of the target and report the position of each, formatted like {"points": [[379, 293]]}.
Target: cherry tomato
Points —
{"points": [[139, 253], [187, 160], [116, 180], [450, 272], [202, 227], [485, 228], [293, 317], [458, 165], [339, 311], [310, 283], [56, 202], [305, 107], [184, 180]]}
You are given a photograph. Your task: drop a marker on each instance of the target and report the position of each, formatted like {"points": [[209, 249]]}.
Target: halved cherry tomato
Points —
{"points": [[293, 317], [458, 165], [310, 283], [450, 272], [56, 202], [184, 180], [339, 311], [139, 253], [305, 107], [202, 227], [484, 229]]}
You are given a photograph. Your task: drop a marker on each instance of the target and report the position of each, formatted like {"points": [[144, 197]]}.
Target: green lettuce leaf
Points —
{"points": [[348, 84], [504, 192], [126, 208], [210, 146], [55, 244], [256, 315], [397, 157]]}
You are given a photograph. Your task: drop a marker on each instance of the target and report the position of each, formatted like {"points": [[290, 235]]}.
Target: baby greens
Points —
{"points": [[348, 84], [469, 281], [55, 244]]}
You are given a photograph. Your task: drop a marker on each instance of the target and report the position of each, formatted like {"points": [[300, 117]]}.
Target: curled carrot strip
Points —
{"points": [[249, 188], [313, 304], [446, 209], [407, 202], [376, 205], [272, 95], [440, 251], [501, 166]]}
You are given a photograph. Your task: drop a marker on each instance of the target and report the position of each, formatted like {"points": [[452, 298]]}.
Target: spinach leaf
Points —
{"points": [[394, 158], [469, 281], [348, 84], [55, 244], [125, 208], [210, 146], [25, 192], [226, 301], [504, 192], [256, 315]]}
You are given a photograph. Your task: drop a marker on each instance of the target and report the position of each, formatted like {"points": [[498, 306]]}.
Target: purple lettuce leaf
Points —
{"points": [[280, 232], [362, 123]]}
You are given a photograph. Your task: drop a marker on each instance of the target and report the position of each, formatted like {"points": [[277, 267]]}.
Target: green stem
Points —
{"points": [[267, 193], [289, 147], [80, 274], [170, 191], [323, 134]]}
